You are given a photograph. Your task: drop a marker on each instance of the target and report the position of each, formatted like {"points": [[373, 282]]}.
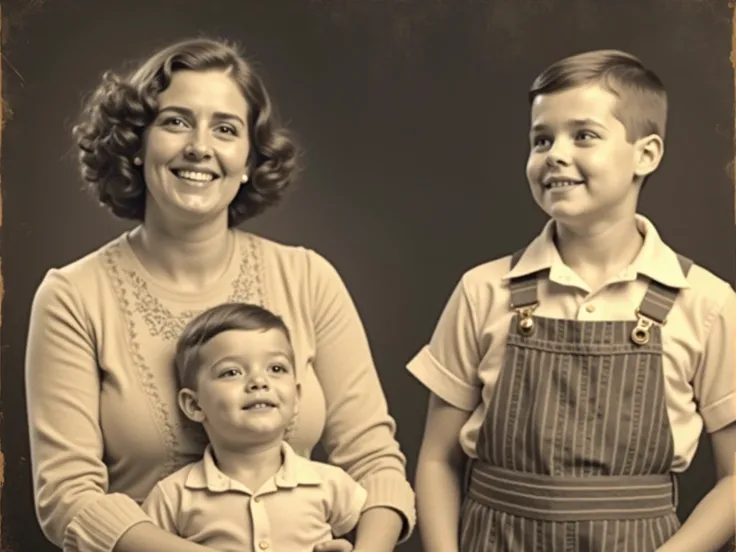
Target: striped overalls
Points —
{"points": [[575, 450]]}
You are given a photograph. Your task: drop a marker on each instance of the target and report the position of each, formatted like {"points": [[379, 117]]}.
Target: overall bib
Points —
{"points": [[575, 450]]}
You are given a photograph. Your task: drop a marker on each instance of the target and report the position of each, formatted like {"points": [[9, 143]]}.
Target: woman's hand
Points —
{"points": [[336, 545]]}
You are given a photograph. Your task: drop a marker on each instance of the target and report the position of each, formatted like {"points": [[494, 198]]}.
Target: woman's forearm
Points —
{"points": [[438, 505], [145, 537], [378, 530], [711, 523]]}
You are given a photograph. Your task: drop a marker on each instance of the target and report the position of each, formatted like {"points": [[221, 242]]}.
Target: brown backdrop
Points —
{"points": [[414, 117]]}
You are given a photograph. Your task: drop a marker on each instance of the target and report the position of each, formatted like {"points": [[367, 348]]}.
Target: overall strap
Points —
{"points": [[524, 288], [659, 298]]}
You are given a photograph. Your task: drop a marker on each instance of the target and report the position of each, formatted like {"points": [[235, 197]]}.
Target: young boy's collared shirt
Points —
{"points": [[462, 361], [304, 504]]}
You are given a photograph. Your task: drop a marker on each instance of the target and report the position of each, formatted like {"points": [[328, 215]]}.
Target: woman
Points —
{"points": [[188, 146]]}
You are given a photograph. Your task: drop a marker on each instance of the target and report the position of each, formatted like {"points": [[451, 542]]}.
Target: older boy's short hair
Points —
{"points": [[214, 321], [642, 98]]}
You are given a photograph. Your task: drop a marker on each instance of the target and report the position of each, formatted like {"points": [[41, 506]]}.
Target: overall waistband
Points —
{"points": [[567, 498]]}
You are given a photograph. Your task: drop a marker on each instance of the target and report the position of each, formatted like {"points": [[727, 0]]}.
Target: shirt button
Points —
{"points": [[263, 545], [257, 499], [590, 308]]}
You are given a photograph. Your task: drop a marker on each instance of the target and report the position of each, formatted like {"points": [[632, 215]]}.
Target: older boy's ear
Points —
{"points": [[649, 153], [190, 405]]}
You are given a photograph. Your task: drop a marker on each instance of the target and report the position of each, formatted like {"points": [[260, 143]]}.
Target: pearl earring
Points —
{"points": [[137, 161], [244, 178]]}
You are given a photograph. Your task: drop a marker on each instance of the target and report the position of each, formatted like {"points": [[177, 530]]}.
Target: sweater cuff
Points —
{"points": [[99, 526], [390, 489]]}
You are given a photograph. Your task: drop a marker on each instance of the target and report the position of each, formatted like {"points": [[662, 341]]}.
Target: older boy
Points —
{"points": [[577, 374]]}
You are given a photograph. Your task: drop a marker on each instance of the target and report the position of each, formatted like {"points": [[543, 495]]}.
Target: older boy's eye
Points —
{"points": [[586, 135]]}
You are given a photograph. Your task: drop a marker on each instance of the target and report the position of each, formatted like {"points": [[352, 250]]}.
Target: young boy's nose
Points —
{"points": [[256, 382]]}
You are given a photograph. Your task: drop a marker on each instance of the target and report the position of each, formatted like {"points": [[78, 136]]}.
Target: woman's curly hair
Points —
{"points": [[111, 127]]}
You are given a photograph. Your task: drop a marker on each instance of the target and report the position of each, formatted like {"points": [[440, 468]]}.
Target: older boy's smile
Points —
{"points": [[556, 182]]}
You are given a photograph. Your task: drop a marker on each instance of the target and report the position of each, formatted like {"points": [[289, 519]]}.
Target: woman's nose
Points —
{"points": [[198, 149]]}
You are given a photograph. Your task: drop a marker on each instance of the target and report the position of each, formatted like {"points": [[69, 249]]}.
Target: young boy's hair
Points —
{"points": [[642, 98], [214, 321]]}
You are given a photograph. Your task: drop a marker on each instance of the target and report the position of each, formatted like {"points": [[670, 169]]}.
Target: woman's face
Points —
{"points": [[195, 151]]}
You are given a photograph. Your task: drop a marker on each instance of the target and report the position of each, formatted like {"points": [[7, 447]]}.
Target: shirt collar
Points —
{"points": [[541, 254], [294, 471], [655, 260]]}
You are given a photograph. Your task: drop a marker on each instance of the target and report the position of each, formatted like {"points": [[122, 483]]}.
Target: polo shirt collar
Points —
{"points": [[294, 471]]}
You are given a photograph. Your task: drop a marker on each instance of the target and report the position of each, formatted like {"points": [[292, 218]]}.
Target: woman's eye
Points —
{"points": [[173, 121], [228, 130]]}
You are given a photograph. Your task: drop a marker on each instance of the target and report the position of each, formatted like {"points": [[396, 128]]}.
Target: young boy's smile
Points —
{"points": [[581, 166], [247, 390]]}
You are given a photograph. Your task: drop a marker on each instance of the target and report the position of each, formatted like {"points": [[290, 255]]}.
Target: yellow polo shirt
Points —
{"points": [[305, 503], [462, 361]]}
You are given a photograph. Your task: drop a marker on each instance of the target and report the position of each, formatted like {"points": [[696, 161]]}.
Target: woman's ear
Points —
{"points": [[190, 405]]}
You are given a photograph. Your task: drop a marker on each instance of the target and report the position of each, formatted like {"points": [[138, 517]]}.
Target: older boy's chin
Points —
{"points": [[560, 211], [570, 216]]}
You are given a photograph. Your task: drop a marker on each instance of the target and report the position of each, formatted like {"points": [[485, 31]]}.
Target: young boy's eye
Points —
{"points": [[278, 368], [229, 373], [540, 142]]}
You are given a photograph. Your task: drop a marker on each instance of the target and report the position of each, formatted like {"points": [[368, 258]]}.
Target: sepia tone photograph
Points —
{"points": [[364, 276]]}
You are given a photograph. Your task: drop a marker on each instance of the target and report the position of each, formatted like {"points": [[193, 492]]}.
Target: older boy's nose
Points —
{"points": [[558, 154]]}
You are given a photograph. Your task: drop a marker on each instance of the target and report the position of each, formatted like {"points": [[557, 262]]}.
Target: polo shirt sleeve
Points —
{"points": [[715, 377], [161, 507], [448, 365], [347, 499]]}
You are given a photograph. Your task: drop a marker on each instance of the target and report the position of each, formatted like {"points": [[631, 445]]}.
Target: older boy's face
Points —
{"points": [[247, 389], [581, 166]]}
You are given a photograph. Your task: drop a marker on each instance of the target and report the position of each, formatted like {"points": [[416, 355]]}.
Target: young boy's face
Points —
{"points": [[247, 390], [581, 167]]}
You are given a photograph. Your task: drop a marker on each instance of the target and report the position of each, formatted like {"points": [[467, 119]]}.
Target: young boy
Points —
{"points": [[577, 374], [250, 491]]}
